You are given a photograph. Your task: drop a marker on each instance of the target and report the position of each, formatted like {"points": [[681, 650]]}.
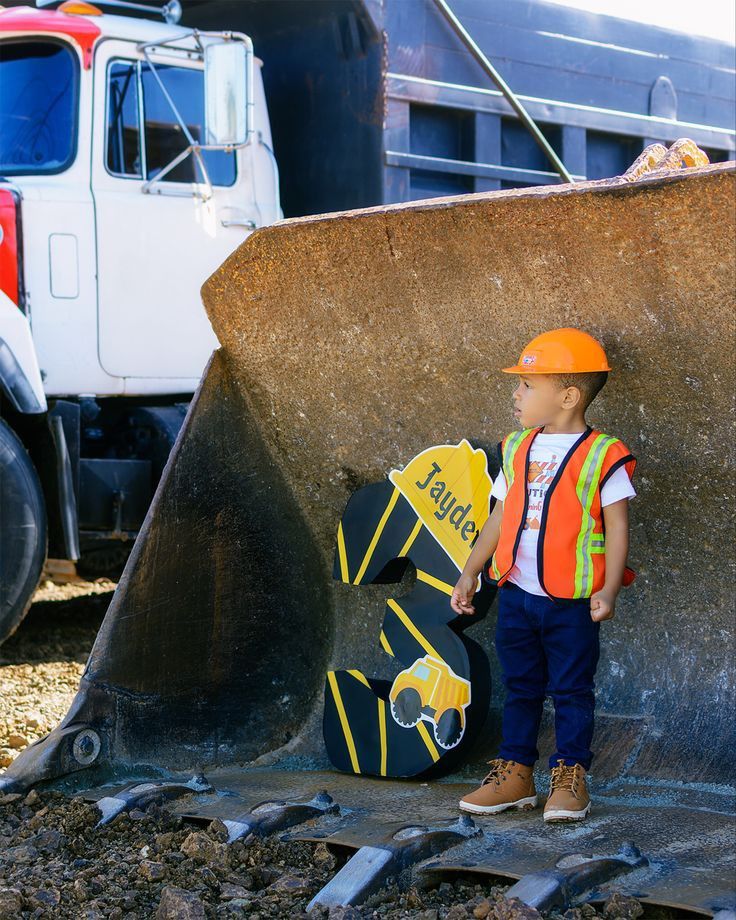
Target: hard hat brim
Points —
{"points": [[520, 369]]}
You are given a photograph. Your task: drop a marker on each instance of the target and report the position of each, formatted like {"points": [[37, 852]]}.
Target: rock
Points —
{"points": [[10, 797], [81, 890], [217, 830], [151, 871], [514, 909], [209, 877], [324, 858], [6, 757], [162, 842], [431, 914], [457, 912], [237, 907], [16, 742], [21, 854], [230, 892], [33, 798], [344, 913], [177, 904], [201, 848], [46, 898], [92, 913], [293, 885], [622, 907], [130, 898], [48, 840], [480, 911], [11, 903]]}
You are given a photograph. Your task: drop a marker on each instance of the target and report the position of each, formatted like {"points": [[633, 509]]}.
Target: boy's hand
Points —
{"points": [[462, 595], [602, 606]]}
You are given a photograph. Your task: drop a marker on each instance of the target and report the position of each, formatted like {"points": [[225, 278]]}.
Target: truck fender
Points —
{"points": [[20, 376]]}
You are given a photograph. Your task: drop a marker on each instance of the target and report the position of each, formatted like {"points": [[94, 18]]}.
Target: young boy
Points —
{"points": [[558, 537]]}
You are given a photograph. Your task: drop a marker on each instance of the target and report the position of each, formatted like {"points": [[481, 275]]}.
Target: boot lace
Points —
{"points": [[565, 777], [498, 771]]}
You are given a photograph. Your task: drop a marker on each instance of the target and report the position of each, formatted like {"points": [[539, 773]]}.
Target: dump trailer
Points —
{"points": [[349, 344]]}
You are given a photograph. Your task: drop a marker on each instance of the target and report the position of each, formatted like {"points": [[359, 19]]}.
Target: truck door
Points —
{"points": [[155, 249]]}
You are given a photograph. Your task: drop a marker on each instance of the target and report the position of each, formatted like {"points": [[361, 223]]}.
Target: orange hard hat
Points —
{"points": [[561, 351]]}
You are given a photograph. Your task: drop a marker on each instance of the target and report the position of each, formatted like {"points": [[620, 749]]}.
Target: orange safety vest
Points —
{"points": [[571, 560]]}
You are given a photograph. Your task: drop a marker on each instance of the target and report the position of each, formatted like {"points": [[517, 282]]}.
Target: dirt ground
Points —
{"points": [[41, 663], [55, 862]]}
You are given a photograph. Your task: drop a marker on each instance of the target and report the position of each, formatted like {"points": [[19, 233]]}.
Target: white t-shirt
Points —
{"points": [[546, 454]]}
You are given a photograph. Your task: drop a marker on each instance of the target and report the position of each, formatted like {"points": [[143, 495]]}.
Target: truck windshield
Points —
{"points": [[37, 107]]}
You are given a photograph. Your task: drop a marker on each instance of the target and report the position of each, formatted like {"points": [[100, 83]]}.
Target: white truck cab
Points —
{"points": [[134, 157]]}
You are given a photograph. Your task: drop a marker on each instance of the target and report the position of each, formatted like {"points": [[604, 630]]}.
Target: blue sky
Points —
{"points": [[713, 18]]}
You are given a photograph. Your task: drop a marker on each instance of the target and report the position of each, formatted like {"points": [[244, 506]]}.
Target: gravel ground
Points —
{"points": [[41, 663], [54, 862]]}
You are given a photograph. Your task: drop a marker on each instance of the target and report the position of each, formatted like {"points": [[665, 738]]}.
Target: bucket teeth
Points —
{"points": [[141, 795], [369, 868], [572, 875], [268, 817]]}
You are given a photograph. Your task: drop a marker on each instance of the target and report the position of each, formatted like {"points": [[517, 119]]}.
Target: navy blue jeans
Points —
{"points": [[546, 647]]}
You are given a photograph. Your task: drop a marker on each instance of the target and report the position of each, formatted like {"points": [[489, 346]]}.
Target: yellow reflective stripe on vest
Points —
{"points": [[513, 441], [508, 452], [587, 484]]}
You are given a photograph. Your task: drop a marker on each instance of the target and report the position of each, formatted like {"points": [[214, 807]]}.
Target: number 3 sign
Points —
{"points": [[423, 721]]}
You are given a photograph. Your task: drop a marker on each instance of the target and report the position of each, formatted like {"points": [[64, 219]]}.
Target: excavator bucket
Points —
{"points": [[273, 560]]}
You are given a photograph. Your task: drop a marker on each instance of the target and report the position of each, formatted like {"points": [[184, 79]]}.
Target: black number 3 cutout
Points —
{"points": [[423, 721]]}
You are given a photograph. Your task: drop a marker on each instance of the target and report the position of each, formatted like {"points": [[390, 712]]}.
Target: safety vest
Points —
{"points": [[571, 560]]}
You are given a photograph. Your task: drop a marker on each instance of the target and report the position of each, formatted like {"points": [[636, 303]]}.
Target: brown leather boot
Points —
{"points": [[508, 785], [568, 799]]}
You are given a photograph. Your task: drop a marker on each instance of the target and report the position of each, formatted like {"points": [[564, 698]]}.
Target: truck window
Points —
{"points": [[163, 137], [422, 672], [123, 136], [38, 104]]}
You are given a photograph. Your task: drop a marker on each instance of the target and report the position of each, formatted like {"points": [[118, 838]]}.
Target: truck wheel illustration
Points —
{"points": [[448, 728], [407, 707]]}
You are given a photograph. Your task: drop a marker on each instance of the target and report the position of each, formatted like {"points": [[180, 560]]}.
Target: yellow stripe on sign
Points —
{"points": [[343, 554], [361, 677], [376, 536], [382, 732], [411, 538], [403, 616], [344, 721], [435, 582], [386, 646], [422, 729]]}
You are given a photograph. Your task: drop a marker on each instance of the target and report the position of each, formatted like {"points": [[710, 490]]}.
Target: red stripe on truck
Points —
{"points": [[28, 19]]}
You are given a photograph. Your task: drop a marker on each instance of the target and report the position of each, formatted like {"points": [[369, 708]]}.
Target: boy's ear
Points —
{"points": [[571, 397]]}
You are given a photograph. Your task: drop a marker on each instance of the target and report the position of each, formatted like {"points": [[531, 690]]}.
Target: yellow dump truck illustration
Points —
{"points": [[431, 690]]}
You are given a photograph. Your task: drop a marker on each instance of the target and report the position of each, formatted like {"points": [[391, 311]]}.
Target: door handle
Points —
{"points": [[239, 222]]}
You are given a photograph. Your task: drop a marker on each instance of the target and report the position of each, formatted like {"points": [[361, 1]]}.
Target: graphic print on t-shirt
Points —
{"points": [[538, 481]]}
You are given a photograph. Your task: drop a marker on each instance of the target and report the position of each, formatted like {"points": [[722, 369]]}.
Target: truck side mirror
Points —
{"points": [[228, 83]]}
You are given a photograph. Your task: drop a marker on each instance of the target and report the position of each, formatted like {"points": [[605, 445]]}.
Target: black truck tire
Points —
{"points": [[22, 531]]}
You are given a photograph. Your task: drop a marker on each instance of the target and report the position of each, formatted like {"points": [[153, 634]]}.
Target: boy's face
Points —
{"points": [[539, 399]]}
